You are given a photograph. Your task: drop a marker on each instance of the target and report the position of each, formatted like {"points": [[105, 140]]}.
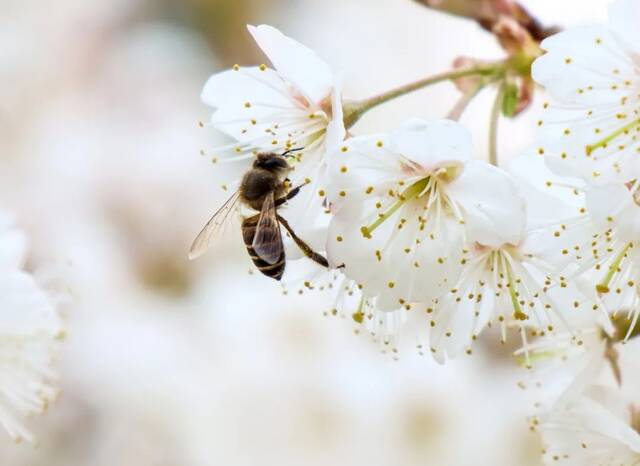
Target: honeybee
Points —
{"points": [[263, 188]]}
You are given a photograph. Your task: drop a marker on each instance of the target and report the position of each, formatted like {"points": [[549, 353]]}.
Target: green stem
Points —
{"points": [[493, 126], [353, 110]]}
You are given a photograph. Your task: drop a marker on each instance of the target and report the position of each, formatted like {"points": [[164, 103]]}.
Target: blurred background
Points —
{"points": [[177, 363]]}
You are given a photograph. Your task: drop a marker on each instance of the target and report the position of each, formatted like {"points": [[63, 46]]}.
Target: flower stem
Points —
{"points": [[493, 126], [463, 102], [353, 110]]}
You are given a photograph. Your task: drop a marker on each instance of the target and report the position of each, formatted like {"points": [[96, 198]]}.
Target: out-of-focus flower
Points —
{"points": [[405, 205], [596, 429], [29, 330], [591, 124]]}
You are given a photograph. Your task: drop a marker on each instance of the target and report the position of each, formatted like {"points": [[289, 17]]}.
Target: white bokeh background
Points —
{"points": [[171, 363]]}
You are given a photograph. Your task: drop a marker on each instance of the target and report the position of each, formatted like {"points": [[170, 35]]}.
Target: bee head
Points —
{"points": [[270, 161]]}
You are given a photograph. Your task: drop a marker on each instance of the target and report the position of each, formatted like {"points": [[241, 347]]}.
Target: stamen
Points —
{"points": [[358, 316], [603, 286], [412, 191], [517, 309], [604, 142]]}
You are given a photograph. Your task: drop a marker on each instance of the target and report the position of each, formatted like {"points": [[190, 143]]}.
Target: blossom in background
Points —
{"points": [[29, 331], [591, 125], [296, 105], [596, 429]]}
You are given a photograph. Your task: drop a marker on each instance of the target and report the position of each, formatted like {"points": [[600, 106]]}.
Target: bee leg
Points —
{"points": [[304, 247], [290, 195]]}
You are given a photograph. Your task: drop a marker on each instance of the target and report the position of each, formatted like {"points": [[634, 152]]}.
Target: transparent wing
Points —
{"points": [[267, 242], [213, 226]]}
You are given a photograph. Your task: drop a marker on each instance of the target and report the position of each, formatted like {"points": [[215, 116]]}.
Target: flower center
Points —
{"points": [[498, 263]]}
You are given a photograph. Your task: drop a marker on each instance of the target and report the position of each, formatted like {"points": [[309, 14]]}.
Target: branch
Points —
{"points": [[487, 13]]}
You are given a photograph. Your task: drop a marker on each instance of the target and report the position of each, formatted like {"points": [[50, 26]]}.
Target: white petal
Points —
{"points": [[623, 18], [306, 212], [248, 101], [12, 244], [362, 168], [433, 144], [296, 63], [336, 131], [571, 141], [582, 65], [389, 264], [532, 176], [613, 205], [494, 211], [589, 433]]}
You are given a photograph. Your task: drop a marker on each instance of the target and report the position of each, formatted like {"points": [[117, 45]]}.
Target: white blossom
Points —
{"points": [[29, 330], [590, 127], [509, 285], [601, 246], [295, 105], [597, 429], [407, 204], [393, 331], [560, 365]]}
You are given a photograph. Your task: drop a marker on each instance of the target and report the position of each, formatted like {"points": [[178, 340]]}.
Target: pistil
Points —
{"points": [[605, 141], [411, 192], [517, 309], [603, 286]]}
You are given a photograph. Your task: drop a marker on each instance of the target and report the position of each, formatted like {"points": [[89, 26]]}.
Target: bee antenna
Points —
{"points": [[288, 152]]}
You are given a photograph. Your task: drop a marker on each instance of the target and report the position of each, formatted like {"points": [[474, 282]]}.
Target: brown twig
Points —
{"points": [[488, 12]]}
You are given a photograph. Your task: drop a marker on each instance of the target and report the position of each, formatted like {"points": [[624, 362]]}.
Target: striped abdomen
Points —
{"points": [[275, 270]]}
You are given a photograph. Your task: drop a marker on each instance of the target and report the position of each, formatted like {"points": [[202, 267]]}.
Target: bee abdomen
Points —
{"points": [[275, 270]]}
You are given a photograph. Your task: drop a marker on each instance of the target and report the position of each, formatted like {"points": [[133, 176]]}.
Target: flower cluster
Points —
{"points": [[418, 235], [587, 138], [29, 331]]}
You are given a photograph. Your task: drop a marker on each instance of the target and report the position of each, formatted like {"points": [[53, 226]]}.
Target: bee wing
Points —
{"points": [[217, 221], [267, 242]]}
